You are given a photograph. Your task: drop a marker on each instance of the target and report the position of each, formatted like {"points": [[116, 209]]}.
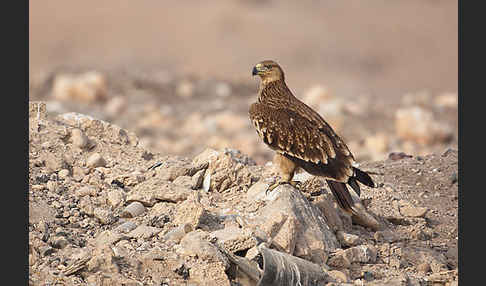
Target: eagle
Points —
{"points": [[301, 138]]}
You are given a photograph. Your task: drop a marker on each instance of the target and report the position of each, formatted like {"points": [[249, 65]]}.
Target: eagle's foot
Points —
{"points": [[295, 184]]}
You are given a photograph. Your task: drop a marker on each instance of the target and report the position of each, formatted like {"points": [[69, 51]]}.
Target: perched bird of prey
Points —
{"points": [[302, 138]]}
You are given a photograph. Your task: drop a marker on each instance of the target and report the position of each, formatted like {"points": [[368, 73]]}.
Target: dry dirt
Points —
{"points": [[79, 231]]}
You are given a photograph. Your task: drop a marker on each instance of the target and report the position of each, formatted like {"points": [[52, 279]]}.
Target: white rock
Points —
{"points": [[116, 198], [95, 160], [132, 210], [79, 139]]}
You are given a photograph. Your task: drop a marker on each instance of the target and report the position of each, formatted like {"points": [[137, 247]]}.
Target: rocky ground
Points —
{"points": [[99, 215]]}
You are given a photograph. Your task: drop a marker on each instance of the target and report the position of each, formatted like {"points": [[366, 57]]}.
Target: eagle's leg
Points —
{"points": [[286, 169]]}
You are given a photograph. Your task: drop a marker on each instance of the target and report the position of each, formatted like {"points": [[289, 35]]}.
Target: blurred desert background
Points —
{"points": [[177, 75], [371, 56]]}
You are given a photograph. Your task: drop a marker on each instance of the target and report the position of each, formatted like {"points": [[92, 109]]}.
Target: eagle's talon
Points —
{"points": [[272, 187], [295, 184]]}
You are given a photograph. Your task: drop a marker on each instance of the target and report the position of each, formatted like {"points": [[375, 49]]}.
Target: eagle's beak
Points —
{"points": [[254, 71]]}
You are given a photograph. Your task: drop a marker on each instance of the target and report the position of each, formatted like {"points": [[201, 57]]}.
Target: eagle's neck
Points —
{"points": [[274, 91]]}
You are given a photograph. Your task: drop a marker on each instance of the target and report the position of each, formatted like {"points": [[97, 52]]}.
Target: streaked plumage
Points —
{"points": [[301, 137]]}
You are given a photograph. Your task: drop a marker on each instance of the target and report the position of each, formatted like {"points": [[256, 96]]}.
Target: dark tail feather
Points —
{"points": [[352, 182], [363, 178], [342, 195]]}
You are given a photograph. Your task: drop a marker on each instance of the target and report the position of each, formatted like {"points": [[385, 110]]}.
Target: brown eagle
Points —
{"points": [[302, 138]]}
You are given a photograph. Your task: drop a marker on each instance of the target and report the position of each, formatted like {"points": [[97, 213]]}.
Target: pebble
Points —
{"points": [[37, 188], [116, 198], [197, 179], [104, 216], [339, 276], [52, 186], [95, 160], [144, 231], [411, 211], [63, 174], [85, 191], [178, 233], [79, 139], [55, 163], [348, 239], [423, 267], [78, 174], [132, 210], [60, 242], [206, 182], [126, 227], [386, 236]]}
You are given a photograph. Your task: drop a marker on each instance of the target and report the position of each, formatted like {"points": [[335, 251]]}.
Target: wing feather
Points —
{"points": [[307, 138]]}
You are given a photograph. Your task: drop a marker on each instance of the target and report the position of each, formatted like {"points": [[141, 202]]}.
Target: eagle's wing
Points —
{"points": [[303, 137]]}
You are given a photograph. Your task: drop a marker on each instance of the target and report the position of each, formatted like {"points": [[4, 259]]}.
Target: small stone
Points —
{"points": [[85, 191], [398, 156], [339, 276], [196, 243], [37, 188], [144, 231], [52, 186], [207, 181], [60, 242], [63, 174], [423, 267], [104, 216], [106, 238], [348, 239], [132, 210], [252, 253], [126, 227], [190, 212], [183, 181], [116, 198], [46, 250], [78, 174], [55, 163], [95, 160], [206, 156], [79, 139], [386, 236], [361, 254], [235, 239], [197, 179], [178, 233], [411, 211]]}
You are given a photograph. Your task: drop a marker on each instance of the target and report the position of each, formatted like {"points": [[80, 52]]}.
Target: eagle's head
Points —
{"points": [[268, 71]]}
